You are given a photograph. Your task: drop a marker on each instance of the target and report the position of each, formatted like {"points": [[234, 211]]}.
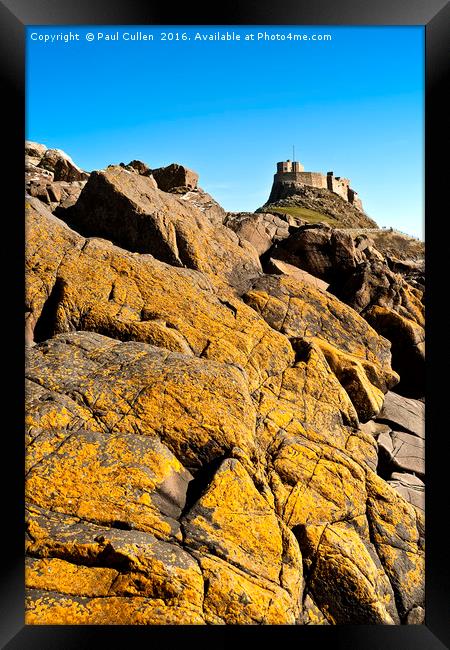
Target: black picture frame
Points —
{"points": [[14, 16]]}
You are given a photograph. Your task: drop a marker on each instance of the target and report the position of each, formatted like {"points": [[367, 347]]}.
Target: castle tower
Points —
{"points": [[297, 167], [284, 167]]}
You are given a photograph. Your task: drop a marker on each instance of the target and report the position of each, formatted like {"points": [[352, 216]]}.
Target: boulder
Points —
{"points": [[278, 267], [261, 230], [34, 150], [51, 176], [402, 452], [62, 166], [373, 284], [325, 252], [204, 202], [139, 166], [126, 208], [174, 176]]}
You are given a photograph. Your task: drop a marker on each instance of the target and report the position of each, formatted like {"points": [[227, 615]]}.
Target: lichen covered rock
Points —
{"points": [[198, 458]]}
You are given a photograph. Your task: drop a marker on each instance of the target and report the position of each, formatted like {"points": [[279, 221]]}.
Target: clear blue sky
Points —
{"points": [[231, 110]]}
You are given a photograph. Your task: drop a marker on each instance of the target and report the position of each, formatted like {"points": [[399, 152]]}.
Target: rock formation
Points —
{"points": [[213, 425]]}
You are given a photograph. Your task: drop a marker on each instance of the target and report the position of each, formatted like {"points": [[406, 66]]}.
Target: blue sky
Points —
{"points": [[232, 109]]}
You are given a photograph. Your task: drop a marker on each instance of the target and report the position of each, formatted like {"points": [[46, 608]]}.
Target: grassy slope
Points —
{"points": [[305, 214]]}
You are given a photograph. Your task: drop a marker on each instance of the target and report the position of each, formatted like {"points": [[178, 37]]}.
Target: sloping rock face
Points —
{"points": [[261, 230], [182, 181], [326, 253], [128, 209], [194, 457], [360, 276]]}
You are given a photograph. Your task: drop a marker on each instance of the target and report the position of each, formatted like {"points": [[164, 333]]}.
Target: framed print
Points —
{"points": [[226, 402]]}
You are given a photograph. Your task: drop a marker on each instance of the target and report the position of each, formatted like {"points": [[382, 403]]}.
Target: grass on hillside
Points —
{"points": [[311, 216]]}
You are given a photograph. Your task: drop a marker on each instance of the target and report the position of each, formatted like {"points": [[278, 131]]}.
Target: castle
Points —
{"points": [[292, 173]]}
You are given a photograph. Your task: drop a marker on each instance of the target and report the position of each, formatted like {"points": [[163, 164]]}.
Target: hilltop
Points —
{"points": [[317, 205]]}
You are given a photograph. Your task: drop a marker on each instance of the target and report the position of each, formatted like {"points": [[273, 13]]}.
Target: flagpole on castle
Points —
{"points": [[293, 153]]}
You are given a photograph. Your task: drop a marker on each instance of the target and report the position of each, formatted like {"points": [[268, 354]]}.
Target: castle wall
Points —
{"points": [[354, 199], [338, 185], [314, 179]]}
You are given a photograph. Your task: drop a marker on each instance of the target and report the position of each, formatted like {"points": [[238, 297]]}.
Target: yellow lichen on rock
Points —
{"points": [[53, 574], [359, 357], [397, 531], [233, 520], [82, 560], [235, 597], [99, 287], [103, 478], [345, 575], [198, 408], [192, 458]]}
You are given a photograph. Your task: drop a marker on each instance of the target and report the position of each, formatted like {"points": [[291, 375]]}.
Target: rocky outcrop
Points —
{"points": [[52, 176], [400, 435], [393, 244], [324, 252], [175, 176], [357, 355], [311, 204], [55, 161], [203, 439], [129, 210], [360, 276]]}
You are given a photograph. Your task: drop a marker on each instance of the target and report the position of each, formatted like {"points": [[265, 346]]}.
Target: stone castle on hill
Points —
{"points": [[291, 174]]}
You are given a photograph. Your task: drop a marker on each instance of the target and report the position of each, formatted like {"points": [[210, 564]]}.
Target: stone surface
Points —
{"points": [[204, 202], [79, 572], [234, 522], [358, 356], [326, 253], [403, 452], [341, 553], [126, 208], [174, 176], [261, 230], [403, 414], [199, 409], [283, 268], [397, 531], [410, 487]]}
